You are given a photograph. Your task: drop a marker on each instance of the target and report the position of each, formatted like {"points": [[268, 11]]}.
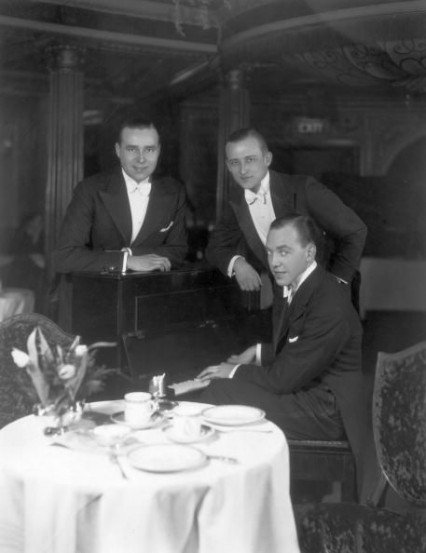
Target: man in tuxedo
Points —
{"points": [[308, 381], [237, 244], [127, 219]]}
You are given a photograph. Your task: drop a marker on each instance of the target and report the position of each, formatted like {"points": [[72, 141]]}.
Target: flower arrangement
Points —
{"points": [[59, 377]]}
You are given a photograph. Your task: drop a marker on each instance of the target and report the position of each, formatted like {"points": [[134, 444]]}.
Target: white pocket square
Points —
{"points": [[165, 229], [292, 340]]}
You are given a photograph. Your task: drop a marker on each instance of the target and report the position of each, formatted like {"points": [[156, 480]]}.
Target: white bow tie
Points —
{"points": [[143, 188], [251, 197], [288, 293]]}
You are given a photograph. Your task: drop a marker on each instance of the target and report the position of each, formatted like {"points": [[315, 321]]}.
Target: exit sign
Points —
{"points": [[308, 125]]}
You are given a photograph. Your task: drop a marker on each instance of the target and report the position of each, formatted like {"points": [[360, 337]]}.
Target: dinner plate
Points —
{"points": [[232, 415], [156, 420], [206, 432], [166, 458]]}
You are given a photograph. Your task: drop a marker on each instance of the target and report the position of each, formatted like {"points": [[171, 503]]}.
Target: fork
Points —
{"points": [[224, 458], [114, 458]]}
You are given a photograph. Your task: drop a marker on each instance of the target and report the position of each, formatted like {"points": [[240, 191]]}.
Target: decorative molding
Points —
{"points": [[94, 35], [399, 63], [332, 18]]}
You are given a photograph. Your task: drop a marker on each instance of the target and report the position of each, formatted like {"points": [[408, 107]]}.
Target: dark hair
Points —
{"points": [[248, 132], [134, 121], [306, 227]]}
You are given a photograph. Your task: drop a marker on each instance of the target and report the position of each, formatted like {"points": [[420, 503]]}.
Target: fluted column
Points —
{"points": [[65, 138], [234, 114]]}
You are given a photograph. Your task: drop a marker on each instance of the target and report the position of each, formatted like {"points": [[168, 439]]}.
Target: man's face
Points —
{"points": [[287, 258], [247, 163], [138, 152]]}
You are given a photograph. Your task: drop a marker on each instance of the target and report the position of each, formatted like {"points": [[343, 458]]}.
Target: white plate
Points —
{"points": [[153, 422], [232, 415], [206, 433], [166, 458]]}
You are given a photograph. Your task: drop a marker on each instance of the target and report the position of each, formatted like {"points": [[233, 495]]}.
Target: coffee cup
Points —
{"points": [[138, 408], [187, 422]]}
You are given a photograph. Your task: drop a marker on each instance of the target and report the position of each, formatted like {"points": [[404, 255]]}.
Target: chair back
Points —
{"points": [[399, 421], [14, 332]]}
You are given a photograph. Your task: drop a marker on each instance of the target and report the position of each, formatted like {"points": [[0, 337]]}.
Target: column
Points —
{"points": [[65, 138], [234, 113]]}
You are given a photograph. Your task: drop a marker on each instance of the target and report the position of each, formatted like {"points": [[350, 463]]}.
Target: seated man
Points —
{"points": [[309, 380]]}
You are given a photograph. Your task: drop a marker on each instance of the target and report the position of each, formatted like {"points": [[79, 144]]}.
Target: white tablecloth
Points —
{"points": [[14, 301], [392, 285], [57, 500]]}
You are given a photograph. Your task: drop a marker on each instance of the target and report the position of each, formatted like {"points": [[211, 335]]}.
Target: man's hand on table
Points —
{"points": [[216, 371], [246, 357], [149, 262], [248, 279]]}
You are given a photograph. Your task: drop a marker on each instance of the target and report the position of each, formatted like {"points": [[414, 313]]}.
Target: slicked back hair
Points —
{"points": [[305, 227], [242, 134], [134, 122]]}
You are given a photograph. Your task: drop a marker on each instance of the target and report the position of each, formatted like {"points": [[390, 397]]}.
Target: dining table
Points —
{"points": [[154, 491]]}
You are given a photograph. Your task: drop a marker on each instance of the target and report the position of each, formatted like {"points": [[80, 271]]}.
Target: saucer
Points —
{"points": [[109, 434], [154, 421], [206, 433]]}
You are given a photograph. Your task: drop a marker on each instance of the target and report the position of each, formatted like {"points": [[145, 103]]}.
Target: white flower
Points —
{"points": [[81, 350], [20, 358], [66, 372]]}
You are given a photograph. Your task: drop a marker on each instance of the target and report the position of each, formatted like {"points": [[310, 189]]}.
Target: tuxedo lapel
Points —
{"points": [[282, 195], [157, 213], [296, 310], [247, 226], [116, 202]]}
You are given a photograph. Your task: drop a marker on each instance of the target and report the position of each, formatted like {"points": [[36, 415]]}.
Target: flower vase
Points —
{"points": [[54, 422]]}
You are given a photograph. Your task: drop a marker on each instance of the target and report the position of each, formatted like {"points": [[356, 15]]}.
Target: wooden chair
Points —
{"points": [[324, 461], [14, 332], [399, 424]]}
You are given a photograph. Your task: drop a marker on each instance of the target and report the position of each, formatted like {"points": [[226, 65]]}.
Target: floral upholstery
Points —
{"points": [[399, 424], [349, 528], [399, 421], [14, 332]]}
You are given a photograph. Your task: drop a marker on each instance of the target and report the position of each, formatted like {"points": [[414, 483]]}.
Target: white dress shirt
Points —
{"points": [[261, 211], [138, 194]]}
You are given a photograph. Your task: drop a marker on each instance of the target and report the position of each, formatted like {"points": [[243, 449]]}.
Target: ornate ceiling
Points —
{"points": [[141, 49]]}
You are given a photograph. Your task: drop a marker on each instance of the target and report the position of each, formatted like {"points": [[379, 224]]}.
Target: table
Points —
{"points": [[392, 285], [58, 500], [14, 301]]}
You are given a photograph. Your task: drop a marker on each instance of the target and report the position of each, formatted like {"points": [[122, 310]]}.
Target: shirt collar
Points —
{"points": [[291, 290], [251, 196], [144, 187]]}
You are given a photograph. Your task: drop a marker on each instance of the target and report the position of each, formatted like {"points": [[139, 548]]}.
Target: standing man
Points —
{"points": [[127, 219], [237, 245]]}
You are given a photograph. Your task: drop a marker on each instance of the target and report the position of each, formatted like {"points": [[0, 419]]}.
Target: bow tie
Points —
{"points": [[251, 197], [288, 293], [143, 188]]}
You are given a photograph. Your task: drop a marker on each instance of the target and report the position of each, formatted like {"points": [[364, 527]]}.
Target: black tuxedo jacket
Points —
{"points": [[98, 224], [344, 232]]}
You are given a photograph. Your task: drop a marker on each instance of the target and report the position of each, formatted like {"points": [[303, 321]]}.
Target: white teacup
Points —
{"points": [[187, 422], [138, 408]]}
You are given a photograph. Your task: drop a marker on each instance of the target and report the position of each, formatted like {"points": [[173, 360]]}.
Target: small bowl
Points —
{"points": [[110, 434]]}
